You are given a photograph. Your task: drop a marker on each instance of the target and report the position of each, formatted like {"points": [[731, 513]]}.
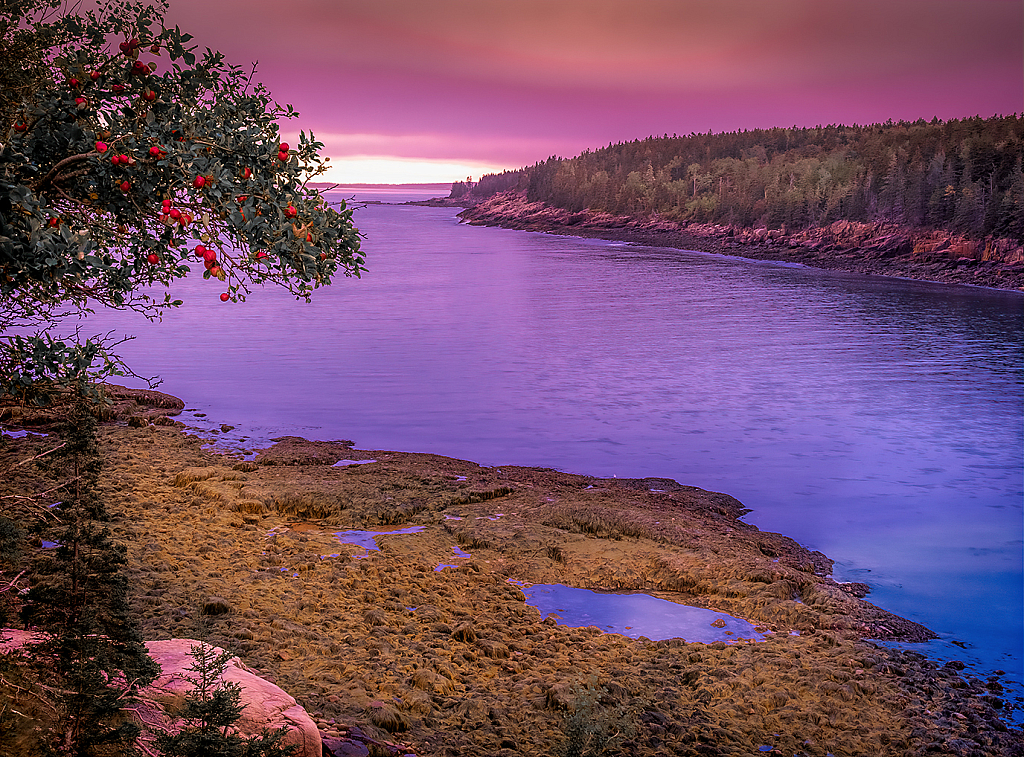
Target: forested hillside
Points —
{"points": [[964, 176]]}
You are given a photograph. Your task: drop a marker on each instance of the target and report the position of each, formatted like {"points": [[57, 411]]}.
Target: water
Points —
{"points": [[636, 615], [877, 420], [368, 539]]}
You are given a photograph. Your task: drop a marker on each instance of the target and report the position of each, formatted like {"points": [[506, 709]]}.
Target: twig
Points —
{"points": [[72, 175], [42, 494], [66, 162], [41, 454], [13, 581], [69, 198]]}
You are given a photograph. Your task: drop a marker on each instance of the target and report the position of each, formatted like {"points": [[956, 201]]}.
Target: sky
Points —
{"points": [[441, 90]]}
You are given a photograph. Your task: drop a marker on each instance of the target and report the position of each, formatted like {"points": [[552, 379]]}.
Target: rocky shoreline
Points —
{"points": [[390, 655], [879, 249]]}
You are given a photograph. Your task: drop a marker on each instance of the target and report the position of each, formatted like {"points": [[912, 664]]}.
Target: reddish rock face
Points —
{"points": [[265, 706]]}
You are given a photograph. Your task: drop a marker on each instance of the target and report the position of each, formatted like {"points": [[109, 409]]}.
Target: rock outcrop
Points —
{"points": [[390, 655], [265, 705], [878, 248]]}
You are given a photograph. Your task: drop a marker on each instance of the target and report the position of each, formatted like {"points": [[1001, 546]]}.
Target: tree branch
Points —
{"points": [[41, 454], [71, 159]]}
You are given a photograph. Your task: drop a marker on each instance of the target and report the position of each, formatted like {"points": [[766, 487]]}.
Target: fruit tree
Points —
{"points": [[128, 159]]}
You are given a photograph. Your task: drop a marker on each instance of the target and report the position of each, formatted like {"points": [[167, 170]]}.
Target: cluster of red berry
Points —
{"points": [[170, 215]]}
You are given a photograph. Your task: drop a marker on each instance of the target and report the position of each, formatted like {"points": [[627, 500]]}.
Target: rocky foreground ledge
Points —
{"points": [[882, 249], [391, 656]]}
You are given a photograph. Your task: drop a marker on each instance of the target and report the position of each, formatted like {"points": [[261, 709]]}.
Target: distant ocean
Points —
{"points": [[394, 193]]}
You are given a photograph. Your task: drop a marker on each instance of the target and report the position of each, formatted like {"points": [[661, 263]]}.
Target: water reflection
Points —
{"points": [[460, 554], [636, 615], [368, 539]]}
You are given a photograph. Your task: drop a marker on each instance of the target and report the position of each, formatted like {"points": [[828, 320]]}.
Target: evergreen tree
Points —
{"points": [[93, 660], [211, 708], [954, 175]]}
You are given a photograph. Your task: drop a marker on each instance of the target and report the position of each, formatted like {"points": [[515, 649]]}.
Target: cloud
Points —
{"points": [[662, 45], [510, 83], [483, 148]]}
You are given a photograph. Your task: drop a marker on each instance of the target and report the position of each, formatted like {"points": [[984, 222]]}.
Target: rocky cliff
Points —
{"points": [[872, 248]]}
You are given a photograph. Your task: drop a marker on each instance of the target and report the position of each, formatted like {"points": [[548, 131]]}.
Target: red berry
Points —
{"points": [[216, 270], [80, 101], [166, 204], [149, 95], [283, 157], [155, 47], [290, 212], [247, 173], [260, 255], [20, 126], [225, 297], [126, 186], [154, 151], [118, 88], [210, 256], [153, 258], [283, 147], [73, 83], [101, 147], [198, 182], [54, 223], [174, 213]]}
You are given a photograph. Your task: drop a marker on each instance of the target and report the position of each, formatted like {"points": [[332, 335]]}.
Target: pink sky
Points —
{"points": [[435, 90]]}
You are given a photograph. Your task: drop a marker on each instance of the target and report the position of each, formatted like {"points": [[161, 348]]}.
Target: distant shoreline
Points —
{"points": [[872, 249], [439, 186]]}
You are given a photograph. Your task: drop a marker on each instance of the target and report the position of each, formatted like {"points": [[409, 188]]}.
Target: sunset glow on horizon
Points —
{"points": [[385, 169], [402, 90]]}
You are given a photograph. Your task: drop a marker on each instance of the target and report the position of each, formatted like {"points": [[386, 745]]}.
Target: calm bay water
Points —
{"points": [[877, 420]]}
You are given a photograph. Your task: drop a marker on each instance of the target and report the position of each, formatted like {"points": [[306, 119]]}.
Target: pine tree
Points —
{"points": [[94, 659], [211, 708]]}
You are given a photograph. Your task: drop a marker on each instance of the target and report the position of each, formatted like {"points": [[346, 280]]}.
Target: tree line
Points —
{"points": [[965, 176]]}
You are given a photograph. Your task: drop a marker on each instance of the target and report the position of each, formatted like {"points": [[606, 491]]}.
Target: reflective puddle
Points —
{"points": [[636, 615], [365, 539], [460, 554]]}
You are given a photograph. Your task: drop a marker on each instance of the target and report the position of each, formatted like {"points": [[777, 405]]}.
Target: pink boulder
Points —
{"points": [[265, 706]]}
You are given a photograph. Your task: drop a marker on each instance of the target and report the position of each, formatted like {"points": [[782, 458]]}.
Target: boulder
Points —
{"points": [[265, 706], [12, 640]]}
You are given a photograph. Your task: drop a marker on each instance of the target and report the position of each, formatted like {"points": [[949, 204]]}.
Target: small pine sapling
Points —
{"points": [[211, 709]]}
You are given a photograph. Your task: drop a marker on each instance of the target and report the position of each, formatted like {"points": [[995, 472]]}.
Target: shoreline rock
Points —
{"points": [[881, 249], [388, 655]]}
